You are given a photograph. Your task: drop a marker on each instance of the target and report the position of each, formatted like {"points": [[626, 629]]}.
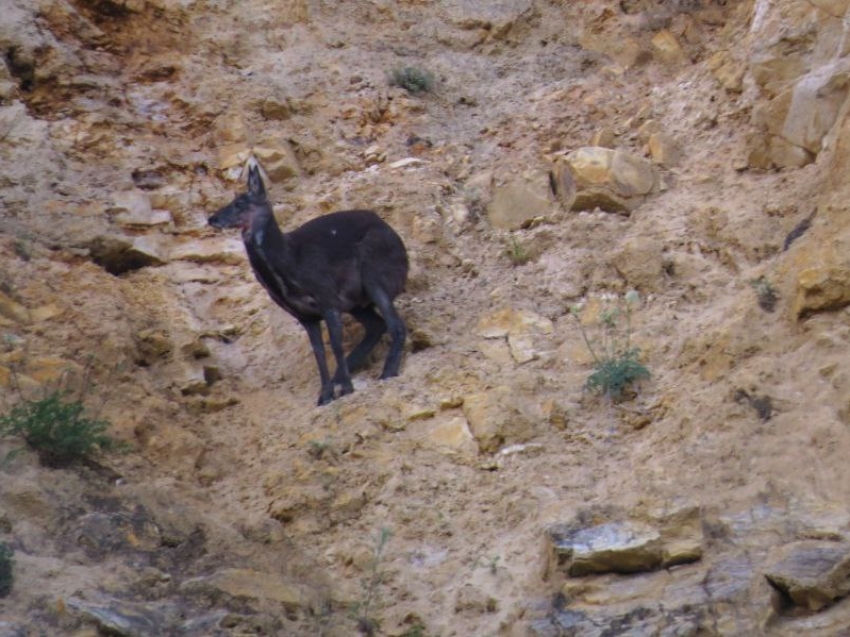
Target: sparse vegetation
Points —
{"points": [[367, 624], [763, 405], [616, 362], [412, 79], [6, 564], [494, 564], [766, 293], [318, 448], [57, 429], [517, 252], [416, 630], [22, 249]]}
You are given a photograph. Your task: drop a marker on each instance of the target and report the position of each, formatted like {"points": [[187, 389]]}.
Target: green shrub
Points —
{"points": [[367, 623], [615, 361], [56, 428], [614, 375], [412, 79], [766, 293], [517, 253], [6, 563]]}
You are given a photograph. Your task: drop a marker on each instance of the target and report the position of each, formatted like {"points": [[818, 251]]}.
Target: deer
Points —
{"points": [[349, 261]]}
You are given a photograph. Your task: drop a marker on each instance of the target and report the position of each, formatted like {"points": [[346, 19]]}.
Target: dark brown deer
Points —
{"points": [[349, 261]]}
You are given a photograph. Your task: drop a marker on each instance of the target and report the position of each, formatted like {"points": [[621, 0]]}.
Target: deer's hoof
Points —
{"points": [[326, 396]]}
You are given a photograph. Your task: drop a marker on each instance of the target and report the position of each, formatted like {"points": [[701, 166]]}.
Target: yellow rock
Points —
{"points": [[496, 417], [604, 138], [278, 159], [664, 149], [46, 312], [518, 202], [12, 310], [507, 321], [251, 584], [48, 369], [822, 288], [232, 155], [667, 47], [452, 433]]}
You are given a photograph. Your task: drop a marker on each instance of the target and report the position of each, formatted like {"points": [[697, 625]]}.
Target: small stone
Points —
{"points": [[664, 149], [111, 532], [191, 381], [46, 312], [278, 159], [152, 345], [275, 109], [521, 200], [496, 417], [821, 289], [453, 434], [639, 260], [374, 155], [521, 328], [501, 323], [603, 138], [13, 310], [233, 155], [471, 599], [407, 161], [412, 411], [728, 72], [667, 48]]}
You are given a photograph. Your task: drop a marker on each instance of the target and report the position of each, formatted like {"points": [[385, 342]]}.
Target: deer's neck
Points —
{"points": [[264, 238]]}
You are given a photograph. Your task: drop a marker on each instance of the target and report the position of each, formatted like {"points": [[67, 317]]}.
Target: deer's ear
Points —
{"points": [[255, 182]]}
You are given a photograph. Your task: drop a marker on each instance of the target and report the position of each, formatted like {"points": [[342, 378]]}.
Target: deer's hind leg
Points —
{"points": [[375, 327], [394, 325]]}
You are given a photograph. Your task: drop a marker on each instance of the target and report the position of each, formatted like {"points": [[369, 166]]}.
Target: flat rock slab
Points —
{"points": [[252, 585], [129, 619], [641, 541], [120, 618], [618, 547], [810, 574]]}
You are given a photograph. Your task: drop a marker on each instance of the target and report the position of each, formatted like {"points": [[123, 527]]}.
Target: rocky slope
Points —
{"points": [[695, 152]]}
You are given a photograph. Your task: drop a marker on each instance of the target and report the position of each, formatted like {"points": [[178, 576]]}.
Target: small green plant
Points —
{"points": [[766, 293], [615, 361], [319, 448], [22, 249], [412, 79], [6, 563], [366, 623], [56, 428], [416, 630], [517, 252]]}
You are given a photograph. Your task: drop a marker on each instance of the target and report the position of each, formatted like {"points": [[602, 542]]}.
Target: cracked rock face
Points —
{"points": [[712, 499]]}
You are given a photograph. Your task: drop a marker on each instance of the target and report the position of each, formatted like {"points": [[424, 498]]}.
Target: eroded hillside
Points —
{"points": [[565, 154]]}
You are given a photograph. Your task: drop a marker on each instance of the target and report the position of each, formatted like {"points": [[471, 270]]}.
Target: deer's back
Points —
{"points": [[331, 261], [354, 239]]}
